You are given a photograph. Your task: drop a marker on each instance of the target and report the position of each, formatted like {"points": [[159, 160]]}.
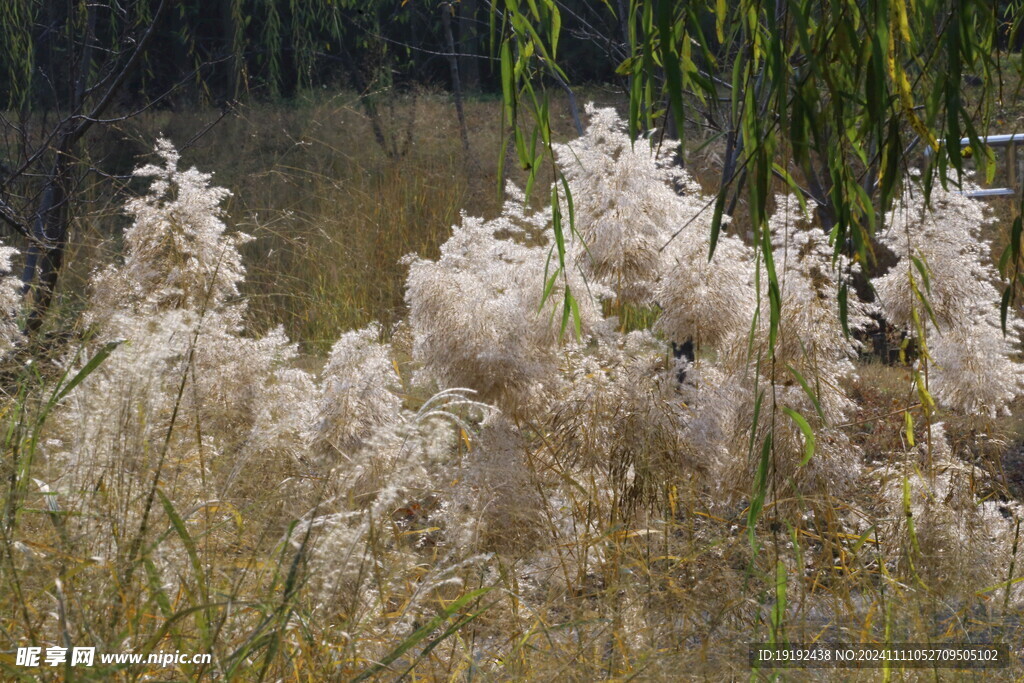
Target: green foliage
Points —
{"points": [[16, 18], [832, 98]]}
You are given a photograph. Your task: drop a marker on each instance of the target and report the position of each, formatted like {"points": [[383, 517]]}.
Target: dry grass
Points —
{"points": [[661, 593], [331, 212]]}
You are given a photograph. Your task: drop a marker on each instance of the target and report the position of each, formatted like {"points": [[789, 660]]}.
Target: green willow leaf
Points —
{"points": [[760, 489], [805, 428]]}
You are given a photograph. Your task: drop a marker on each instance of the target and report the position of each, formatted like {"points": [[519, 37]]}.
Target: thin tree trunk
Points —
{"points": [[230, 11], [453, 65], [624, 27], [49, 228], [574, 109], [469, 44], [50, 222]]}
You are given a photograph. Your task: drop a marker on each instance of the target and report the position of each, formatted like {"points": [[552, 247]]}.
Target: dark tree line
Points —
{"points": [[220, 50]]}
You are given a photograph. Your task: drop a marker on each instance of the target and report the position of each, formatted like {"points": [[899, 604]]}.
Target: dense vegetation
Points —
{"points": [[345, 410], [227, 49]]}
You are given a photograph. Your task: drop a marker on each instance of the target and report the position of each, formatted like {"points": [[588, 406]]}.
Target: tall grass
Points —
{"points": [[666, 588]]}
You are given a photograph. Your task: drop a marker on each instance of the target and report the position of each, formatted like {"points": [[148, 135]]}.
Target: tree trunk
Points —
{"points": [[469, 46], [230, 14], [50, 221], [453, 65], [50, 228]]}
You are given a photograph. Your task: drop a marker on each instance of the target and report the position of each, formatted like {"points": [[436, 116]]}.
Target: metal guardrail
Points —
{"points": [[1009, 141]]}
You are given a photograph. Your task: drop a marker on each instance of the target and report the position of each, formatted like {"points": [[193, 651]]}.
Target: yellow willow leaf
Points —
{"points": [[926, 399], [214, 508], [899, 77], [866, 627], [900, 9]]}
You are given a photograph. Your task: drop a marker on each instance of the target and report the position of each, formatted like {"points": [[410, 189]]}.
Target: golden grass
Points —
{"points": [[664, 594], [331, 213]]}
